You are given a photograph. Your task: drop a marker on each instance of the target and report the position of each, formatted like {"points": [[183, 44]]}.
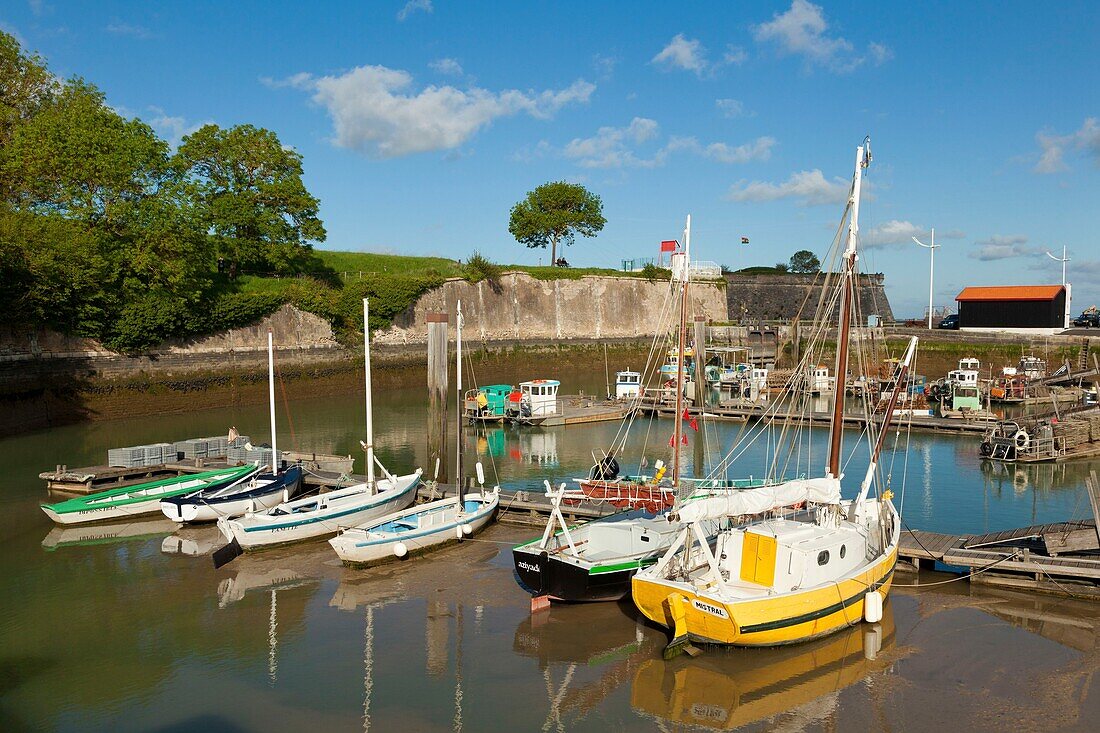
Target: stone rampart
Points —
{"points": [[775, 297]]}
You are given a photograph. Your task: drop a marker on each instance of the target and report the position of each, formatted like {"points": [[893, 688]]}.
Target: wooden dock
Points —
{"points": [[958, 426], [1062, 557]]}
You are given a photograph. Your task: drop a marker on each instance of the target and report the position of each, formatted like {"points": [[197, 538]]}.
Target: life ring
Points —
{"points": [[985, 449], [1021, 439]]}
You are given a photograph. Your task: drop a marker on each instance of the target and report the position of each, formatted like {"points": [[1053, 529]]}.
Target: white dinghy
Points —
{"points": [[428, 526], [317, 516]]}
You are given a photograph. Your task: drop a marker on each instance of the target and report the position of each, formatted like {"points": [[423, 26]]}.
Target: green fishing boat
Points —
{"points": [[132, 501]]}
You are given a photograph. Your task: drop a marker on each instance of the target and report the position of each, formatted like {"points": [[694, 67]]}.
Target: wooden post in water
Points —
{"points": [[700, 363], [437, 395]]}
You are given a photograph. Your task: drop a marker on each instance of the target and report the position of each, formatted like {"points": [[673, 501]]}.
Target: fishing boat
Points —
{"points": [[534, 402], [260, 491], [780, 579], [595, 561], [133, 501], [428, 526], [487, 404], [324, 514]]}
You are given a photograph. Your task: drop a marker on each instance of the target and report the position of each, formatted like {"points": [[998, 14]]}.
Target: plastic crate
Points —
{"points": [[131, 457]]}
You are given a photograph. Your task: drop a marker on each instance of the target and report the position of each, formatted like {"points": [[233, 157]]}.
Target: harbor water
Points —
{"points": [[130, 628]]}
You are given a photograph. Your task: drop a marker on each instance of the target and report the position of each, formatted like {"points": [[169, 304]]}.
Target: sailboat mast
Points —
{"points": [[366, 382], [458, 430], [678, 430], [271, 400], [836, 427]]}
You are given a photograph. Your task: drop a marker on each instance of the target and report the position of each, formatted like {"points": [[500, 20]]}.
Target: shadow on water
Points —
{"points": [[207, 723], [15, 672]]}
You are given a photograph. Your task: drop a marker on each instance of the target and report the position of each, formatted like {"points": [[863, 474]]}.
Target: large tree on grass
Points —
{"points": [[805, 262], [251, 196], [555, 213]]}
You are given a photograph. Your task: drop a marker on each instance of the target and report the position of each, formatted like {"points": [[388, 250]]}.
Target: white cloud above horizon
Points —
{"points": [[689, 54], [447, 67], [129, 29], [809, 188], [377, 111], [803, 31], [1052, 147], [1002, 247], [898, 232], [415, 6], [617, 147]]}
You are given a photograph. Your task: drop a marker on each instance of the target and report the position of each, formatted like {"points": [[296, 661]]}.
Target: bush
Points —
{"points": [[478, 268], [652, 273]]}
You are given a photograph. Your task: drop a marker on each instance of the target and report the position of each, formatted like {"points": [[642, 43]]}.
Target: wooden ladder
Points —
{"points": [[1083, 358]]}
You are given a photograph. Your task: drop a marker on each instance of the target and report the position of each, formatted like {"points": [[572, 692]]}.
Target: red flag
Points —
{"points": [[669, 245], [672, 440], [684, 439], [691, 421]]}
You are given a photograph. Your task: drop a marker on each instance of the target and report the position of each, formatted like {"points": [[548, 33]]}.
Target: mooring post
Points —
{"points": [[700, 363], [796, 339], [437, 394]]}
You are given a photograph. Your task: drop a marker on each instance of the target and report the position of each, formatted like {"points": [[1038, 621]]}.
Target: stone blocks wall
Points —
{"points": [[779, 297]]}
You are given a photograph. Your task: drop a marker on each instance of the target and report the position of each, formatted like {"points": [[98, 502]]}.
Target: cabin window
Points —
{"points": [[843, 551], [823, 557]]}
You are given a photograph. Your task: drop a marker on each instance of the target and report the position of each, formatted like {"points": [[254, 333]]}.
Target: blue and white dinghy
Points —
{"points": [[427, 526], [321, 515]]}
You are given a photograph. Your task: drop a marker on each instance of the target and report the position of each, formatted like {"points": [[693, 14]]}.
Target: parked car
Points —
{"points": [[950, 322], [1087, 320]]}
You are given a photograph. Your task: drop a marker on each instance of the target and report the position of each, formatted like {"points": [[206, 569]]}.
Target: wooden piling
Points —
{"points": [[437, 395]]}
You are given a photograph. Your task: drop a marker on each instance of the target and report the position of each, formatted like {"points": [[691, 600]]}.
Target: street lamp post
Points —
{"points": [[1063, 259], [931, 270]]}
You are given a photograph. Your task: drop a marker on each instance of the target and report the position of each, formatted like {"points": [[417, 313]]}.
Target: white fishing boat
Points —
{"points": [[770, 579], [318, 516], [260, 491], [428, 526]]}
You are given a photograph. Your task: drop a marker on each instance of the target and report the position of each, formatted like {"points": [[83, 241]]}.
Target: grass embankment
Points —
{"points": [[392, 282]]}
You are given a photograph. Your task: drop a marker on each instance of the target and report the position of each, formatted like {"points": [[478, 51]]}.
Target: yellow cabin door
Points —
{"points": [[758, 559]]}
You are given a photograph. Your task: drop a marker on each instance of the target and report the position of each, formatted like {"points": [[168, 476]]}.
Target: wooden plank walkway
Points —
{"points": [[744, 414], [1013, 557]]}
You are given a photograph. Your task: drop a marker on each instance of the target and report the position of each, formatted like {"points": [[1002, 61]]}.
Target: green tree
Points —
{"points": [[26, 85], [250, 196], [554, 213], [781, 267], [805, 262]]}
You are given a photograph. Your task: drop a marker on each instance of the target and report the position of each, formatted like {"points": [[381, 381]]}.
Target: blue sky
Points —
{"points": [[422, 122]]}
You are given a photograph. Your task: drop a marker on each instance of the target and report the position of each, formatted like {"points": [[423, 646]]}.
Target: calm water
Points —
{"points": [[132, 629]]}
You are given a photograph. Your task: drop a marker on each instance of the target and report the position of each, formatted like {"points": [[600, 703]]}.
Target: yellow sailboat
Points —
{"points": [[777, 577]]}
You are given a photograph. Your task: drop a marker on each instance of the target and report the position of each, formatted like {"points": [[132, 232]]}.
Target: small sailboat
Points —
{"points": [[773, 579], [134, 501], [427, 526], [260, 491], [317, 516]]}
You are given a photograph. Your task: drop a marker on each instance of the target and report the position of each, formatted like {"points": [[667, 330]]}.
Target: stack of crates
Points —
{"points": [[159, 453], [131, 457], [193, 448], [216, 445]]}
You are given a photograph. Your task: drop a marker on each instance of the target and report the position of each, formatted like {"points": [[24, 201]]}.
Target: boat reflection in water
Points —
{"points": [[192, 540], [727, 690], [85, 535]]}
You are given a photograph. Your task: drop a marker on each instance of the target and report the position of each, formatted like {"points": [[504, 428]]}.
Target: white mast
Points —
{"points": [[458, 431], [271, 401], [370, 411], [683, 275], [1063, 259], [836, 428]]}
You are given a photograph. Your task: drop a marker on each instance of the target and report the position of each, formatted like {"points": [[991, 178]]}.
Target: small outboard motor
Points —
{"points": [[607, 469]]}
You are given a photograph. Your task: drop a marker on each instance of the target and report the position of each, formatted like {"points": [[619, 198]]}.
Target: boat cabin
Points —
{"points": [[486, 403], [777, 555], [819, 380], [628, 384], [668, 369], [1032, 367], [539, 397]]}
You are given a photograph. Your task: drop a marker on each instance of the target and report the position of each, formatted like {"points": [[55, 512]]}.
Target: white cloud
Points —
{"points": [[605, 65], [616, 147], [810, 187], [611, 147], [447, 67], [413, 6], [1053, 147], [803, 31], [171, 127], [681, 53], [127, 29], [730, 107], [374, 110], [758, 149], [896, 232], [301, 80], [735, 55], [1001, 247]]}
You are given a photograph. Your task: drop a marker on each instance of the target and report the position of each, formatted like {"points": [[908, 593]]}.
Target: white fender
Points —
{"points": [[400, 550], [872, 607]]}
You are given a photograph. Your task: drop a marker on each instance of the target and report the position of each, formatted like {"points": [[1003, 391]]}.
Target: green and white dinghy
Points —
{"points": [[132, 501]]}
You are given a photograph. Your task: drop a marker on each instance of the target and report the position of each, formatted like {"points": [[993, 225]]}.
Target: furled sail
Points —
{"points": [[824, 490]]}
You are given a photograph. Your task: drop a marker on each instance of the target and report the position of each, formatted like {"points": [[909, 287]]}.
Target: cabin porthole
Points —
{"points": [[823, 557], [843, 551]]}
